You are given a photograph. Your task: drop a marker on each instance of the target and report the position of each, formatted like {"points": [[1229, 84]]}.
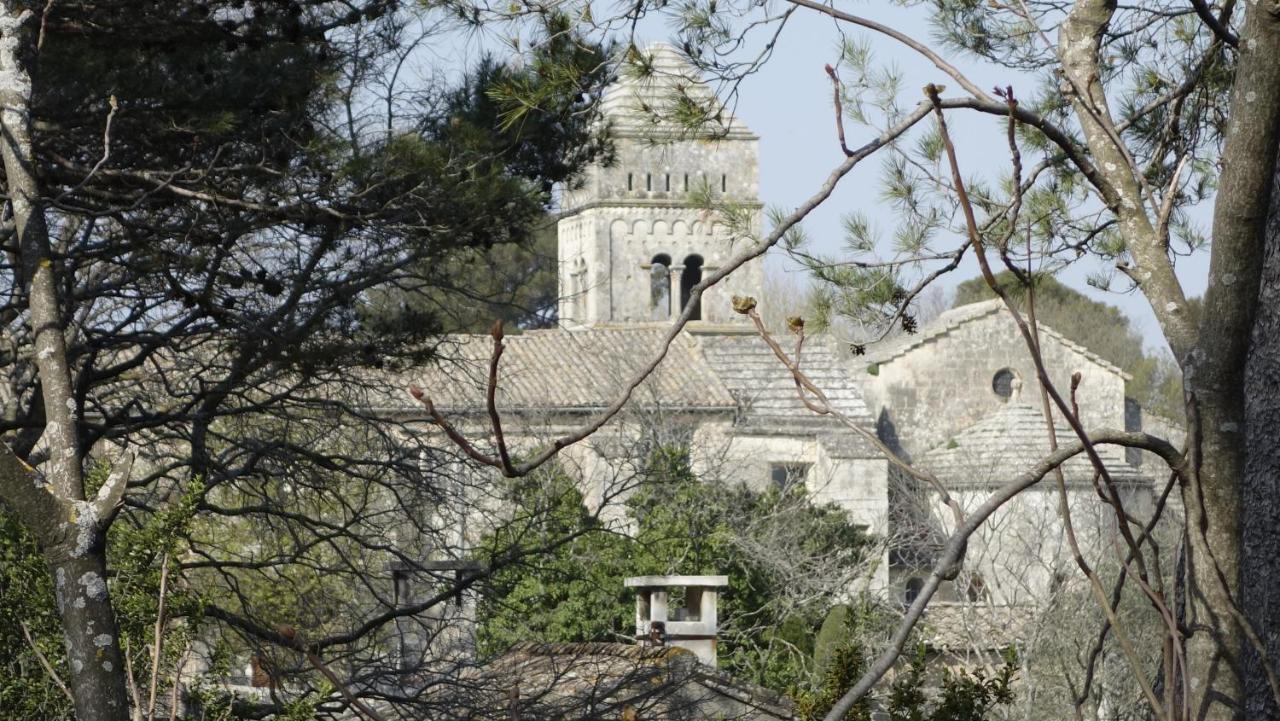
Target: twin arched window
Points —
{"points": [[660, 285]]}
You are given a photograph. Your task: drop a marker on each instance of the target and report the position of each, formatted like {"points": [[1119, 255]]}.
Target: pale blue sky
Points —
{"points": [[789, 105]]}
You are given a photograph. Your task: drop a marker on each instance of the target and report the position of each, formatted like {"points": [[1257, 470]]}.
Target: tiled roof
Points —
{"points": [[1012, 440], [573, 681], [587, 682], [646, 104], [557, 370], [766, 389], [949, 320], [568, 370]]}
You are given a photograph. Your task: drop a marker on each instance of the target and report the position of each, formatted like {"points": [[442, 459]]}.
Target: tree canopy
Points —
{"points": [[205, 203]]}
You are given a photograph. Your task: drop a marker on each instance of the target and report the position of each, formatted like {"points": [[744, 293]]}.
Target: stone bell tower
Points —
{"points": [[632, 240]]}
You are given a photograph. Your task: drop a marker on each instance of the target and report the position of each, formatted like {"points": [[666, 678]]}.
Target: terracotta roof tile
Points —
{"points": [[566, 370]]}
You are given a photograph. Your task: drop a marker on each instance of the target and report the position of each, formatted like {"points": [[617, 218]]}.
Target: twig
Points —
{"points": [[835, 97], [130, 679], [318, 663], [910, 42], [157, 643], [44, 662], [1214, 24], [491, 398], [106, 148], [44, 21]]}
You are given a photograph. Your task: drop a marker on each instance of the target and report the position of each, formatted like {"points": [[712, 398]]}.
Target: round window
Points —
{"points": [[1002, 383]]}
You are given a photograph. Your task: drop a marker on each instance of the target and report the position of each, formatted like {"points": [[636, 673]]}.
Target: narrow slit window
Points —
{"points": [[724, 182], [648, 181], [668, 188], [630, 182], [686, 182]]}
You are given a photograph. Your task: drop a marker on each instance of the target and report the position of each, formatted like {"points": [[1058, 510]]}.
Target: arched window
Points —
{"points": [[660, 287], [578, 291], [689, 277], [1003, 383], [909, 594]]}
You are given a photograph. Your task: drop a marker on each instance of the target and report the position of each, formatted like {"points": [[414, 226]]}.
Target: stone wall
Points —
{"points": [[924, 395], [1021, 554], [640, 210]]}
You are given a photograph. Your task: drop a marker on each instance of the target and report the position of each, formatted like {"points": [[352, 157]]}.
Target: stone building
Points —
{"points": [[633, 240], [956, 397]]}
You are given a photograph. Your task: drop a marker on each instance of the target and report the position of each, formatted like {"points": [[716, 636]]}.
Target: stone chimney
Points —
{"points": [[664, 618]]}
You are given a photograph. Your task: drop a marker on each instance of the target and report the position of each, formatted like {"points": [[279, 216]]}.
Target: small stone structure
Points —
{"points": [[690, 625]]}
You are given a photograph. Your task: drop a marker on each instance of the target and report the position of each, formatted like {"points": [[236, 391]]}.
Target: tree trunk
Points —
{"points": [[1218, 498], [92, 641], [1260, 522], [51, 501]]}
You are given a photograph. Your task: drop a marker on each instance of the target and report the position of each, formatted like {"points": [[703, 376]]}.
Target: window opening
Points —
{"points": [[724, 183], [785, 475], [660, 287], [689, 277], [912, 591], [668, 182], [648, 181], [630, 182], [1003, 382], [686, 182]]}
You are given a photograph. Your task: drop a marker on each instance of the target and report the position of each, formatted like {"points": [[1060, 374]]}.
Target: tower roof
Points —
{"points": [[659, 93]]}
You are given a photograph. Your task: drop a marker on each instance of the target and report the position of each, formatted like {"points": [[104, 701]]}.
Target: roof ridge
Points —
{"points": [[953, 318]]}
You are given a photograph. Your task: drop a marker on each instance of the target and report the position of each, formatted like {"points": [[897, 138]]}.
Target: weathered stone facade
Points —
{"points": [[634, 239], [927, 386]]}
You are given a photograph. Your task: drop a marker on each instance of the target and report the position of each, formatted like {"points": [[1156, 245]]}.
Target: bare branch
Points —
{"points": [[44, 662]]}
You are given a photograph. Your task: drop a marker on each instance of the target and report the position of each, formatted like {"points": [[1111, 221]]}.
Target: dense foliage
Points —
{"points": [[677, 525], [917, 693], [143, 550]]}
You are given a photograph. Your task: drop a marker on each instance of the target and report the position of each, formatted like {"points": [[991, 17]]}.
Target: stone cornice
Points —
{"points": [[674, 136], [649, 203]]}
